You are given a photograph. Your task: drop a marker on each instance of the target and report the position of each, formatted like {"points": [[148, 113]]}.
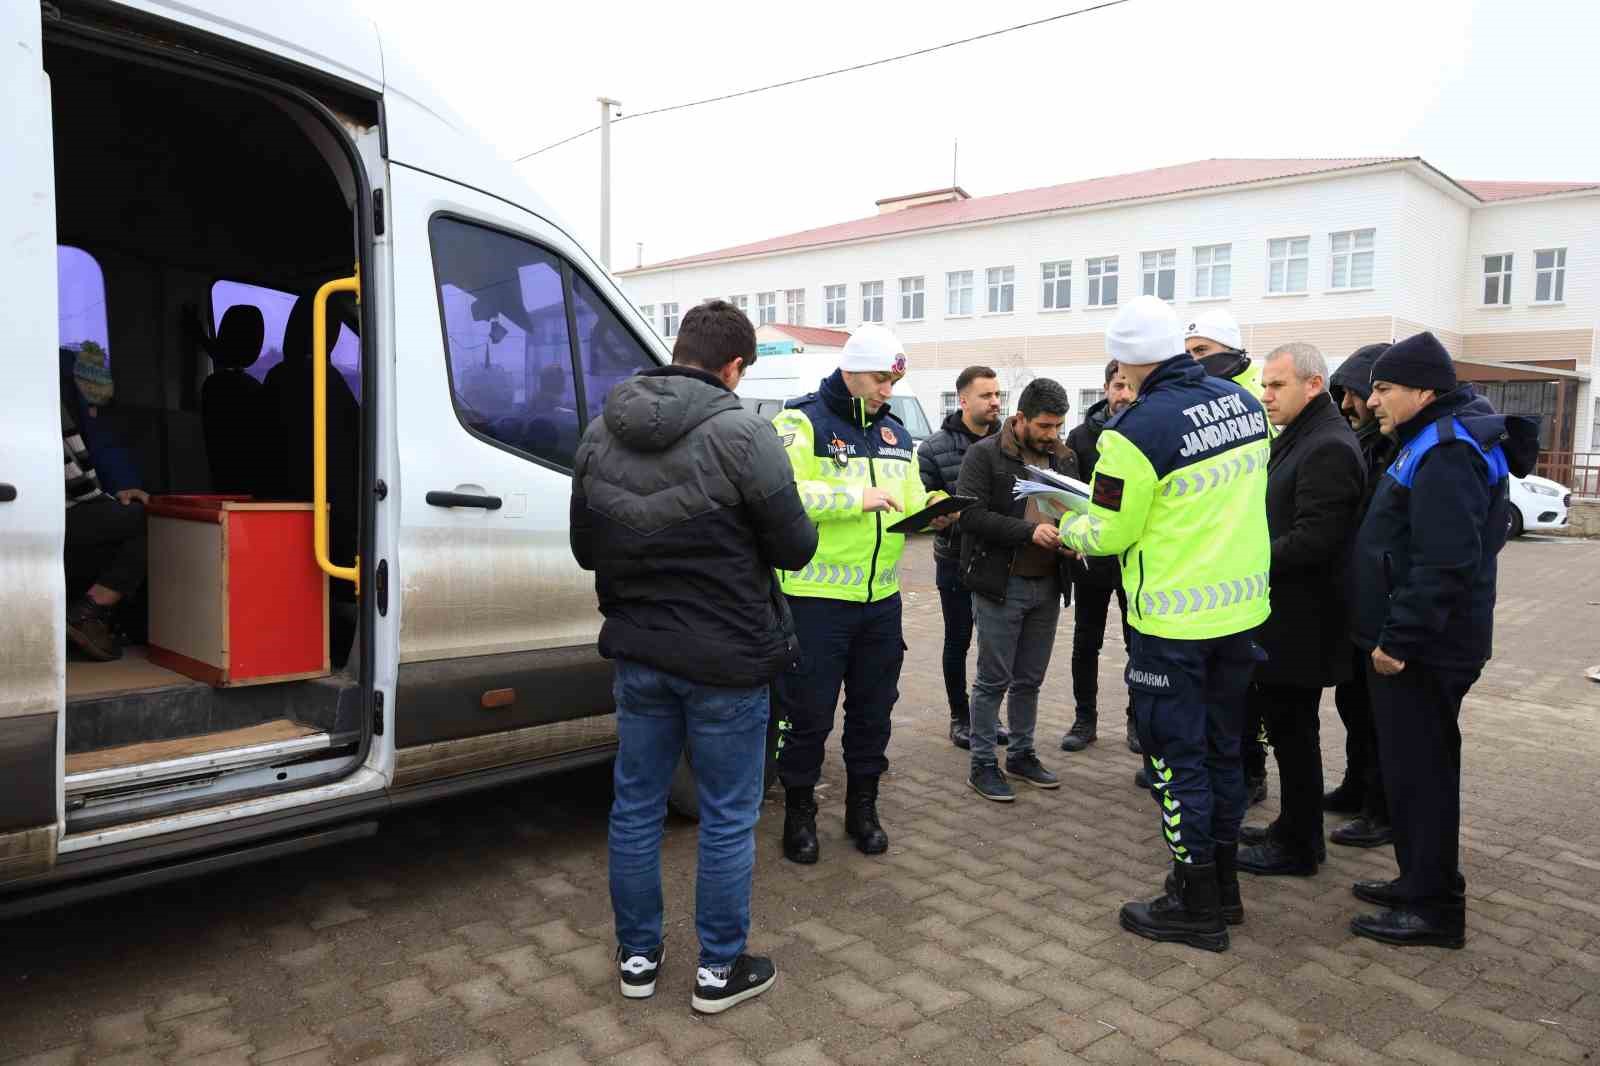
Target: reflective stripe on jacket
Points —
{"points": [[1180, 495], [838, 451]]}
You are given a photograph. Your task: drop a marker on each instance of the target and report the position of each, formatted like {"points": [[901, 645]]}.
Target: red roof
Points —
{"points": [[825, 338], [1144, 184], [1489, 191]]}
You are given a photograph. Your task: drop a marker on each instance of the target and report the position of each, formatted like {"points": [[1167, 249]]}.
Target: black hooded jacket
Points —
{"points": [[683, 504], [1355, 376], [1424, 570], [939, 465], [1103, 571]]}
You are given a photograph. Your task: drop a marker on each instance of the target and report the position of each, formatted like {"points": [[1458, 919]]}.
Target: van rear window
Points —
{"points": [[81, 300], [275, 306]]}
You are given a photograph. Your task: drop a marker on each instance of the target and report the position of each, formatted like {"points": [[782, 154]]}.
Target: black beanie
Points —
{"points": [[1418, 362]]}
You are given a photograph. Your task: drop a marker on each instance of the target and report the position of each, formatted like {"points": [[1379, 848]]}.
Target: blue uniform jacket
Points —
{"points": [[1422, 582]]}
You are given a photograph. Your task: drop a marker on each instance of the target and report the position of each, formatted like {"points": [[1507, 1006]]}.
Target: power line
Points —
{"points": [[830, 73]]}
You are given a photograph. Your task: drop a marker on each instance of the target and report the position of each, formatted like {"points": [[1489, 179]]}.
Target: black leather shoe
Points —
{"points": [[1253, 835], [1272, 859], [861, 815], [1257, 790], [1081, 735], [800, 826], [1382, 893], [961, 734], [1346, 799], [1413, 928], [1363, 832]]}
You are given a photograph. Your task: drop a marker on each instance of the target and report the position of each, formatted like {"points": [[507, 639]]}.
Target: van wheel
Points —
{"points": [[1514, 523], [683, 797]]}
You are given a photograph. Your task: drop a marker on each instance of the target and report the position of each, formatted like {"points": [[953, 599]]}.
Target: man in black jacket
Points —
{"points": [[1361, 792], [1012, 560], [1424, 574], [1315, 481], [1096, 581], [683, 503], [939, 463]]}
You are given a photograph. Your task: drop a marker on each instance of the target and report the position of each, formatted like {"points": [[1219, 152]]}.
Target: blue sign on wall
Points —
{"points": [[775, 348]]}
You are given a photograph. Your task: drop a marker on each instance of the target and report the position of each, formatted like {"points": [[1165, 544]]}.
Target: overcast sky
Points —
{"points": [[1479, 88]]}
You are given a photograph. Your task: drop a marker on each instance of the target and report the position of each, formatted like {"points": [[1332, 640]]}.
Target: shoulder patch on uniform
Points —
{"points": [[1108, 491], [786, 439]]}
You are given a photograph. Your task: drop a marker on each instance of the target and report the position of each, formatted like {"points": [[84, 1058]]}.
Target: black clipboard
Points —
{"points": [[914, 523]]}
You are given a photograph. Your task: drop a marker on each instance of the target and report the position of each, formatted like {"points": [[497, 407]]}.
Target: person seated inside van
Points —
{"points": [[105, 540]]}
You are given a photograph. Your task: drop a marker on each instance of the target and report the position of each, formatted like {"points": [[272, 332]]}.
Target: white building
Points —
{"points": [[1337, 252]]}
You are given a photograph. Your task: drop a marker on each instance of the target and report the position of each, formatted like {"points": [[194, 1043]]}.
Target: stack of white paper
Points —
{"points": [[1054, 494]]}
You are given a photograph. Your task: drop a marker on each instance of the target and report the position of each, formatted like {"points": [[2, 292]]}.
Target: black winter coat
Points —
{"points": [[1424, 572], [993, 528], [1101, 571], [1316, 480], [939, 464], [683, 504]]}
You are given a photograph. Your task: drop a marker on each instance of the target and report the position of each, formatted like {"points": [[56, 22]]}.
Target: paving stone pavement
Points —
{"points": [[478, 931]]}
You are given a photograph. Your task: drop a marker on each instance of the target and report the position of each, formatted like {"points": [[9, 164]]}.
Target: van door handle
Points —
{"points": [[7, 492], [463, 499]]}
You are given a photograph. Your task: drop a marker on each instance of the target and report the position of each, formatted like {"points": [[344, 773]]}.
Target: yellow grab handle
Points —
{"points": [[319, 429]]}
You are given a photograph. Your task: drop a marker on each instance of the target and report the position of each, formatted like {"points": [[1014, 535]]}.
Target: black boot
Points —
{"points": [[1133, 736], [861, 815], [1228, 883], [800, 825], [961, 732], [1193, 916], [1082, 733]]}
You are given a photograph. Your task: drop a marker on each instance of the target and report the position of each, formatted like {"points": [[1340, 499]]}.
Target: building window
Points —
{"points": [[649, 313], [1550, 275], [669, 320], [1057, 285], [833, 297], [1102, 281], [912, 299], [1002, 290], [1288, 264], [1160, 273], [1350, 259], [766, 308], [1497, 280], [794, 304], [1213, 271], [1087, 398], [742, 303], [872, 301], [958, 289], [950, 403]]}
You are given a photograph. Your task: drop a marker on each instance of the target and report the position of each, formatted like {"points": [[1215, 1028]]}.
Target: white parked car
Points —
{"points": [[1537, 503]]}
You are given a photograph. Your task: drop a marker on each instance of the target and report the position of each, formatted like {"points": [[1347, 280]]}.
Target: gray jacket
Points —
{"points": [[683, 504]]}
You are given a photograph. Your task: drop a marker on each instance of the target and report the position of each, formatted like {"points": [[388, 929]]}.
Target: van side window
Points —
{"points": [[509, 338], [607, 350], [275, 305], [81, 308]]}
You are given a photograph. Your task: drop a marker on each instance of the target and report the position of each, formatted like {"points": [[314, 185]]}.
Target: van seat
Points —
{"points": [[231, 403]]}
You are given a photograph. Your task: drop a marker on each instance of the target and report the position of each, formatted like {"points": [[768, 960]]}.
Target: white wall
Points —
{"points": [[1430, 255]]}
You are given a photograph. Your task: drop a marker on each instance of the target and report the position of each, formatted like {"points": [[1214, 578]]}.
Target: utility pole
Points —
{"points": [[606, 105], [955, 161]]}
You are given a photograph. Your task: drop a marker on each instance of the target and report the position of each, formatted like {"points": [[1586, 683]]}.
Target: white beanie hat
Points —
{"points": [[1144, 332], [1216, 325], [873, 349]]}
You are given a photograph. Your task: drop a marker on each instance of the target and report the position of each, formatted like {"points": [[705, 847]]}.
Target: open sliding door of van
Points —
{"points": [[32, 512]]}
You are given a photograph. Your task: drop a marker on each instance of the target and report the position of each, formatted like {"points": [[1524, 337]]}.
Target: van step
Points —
{"points": [[165, 760]]}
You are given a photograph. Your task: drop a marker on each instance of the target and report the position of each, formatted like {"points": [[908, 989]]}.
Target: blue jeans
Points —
{"points": [[726, 731]]}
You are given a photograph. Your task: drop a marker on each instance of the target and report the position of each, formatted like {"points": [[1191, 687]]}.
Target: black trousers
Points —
{"points": [[955, 603], [1290, 713], [1418, 714], [1253, 746], [1091, 608], [856, 646], [1362, 771], [106, 545]]}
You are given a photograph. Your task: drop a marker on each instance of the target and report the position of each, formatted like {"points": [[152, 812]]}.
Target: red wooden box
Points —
{"points": [[236, 597]]}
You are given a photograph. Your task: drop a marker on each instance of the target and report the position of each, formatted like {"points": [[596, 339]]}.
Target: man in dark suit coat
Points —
{"points": [[1315, 480]]}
